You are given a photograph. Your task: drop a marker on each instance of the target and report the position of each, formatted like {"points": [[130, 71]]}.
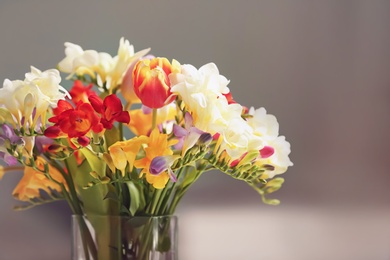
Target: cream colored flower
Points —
{"points": [[101, 66], [77, 61], [121, 63], [280, 159], [28, 100], [202, 92], [266, 126], [263, 124], [238, 138]]}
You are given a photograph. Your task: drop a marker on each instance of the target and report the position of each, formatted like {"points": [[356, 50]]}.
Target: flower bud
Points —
{"points": [[151, 82]]}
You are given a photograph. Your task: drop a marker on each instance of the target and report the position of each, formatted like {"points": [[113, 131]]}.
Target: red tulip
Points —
{"points": [[151, 82]]}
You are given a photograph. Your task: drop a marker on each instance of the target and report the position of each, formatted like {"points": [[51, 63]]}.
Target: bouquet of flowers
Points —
{"points": [[132, 134]]}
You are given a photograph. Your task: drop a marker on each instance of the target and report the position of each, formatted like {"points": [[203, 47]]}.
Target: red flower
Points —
{"points": [[74, 122], [151, 82], [79, 92], [110, 110]]}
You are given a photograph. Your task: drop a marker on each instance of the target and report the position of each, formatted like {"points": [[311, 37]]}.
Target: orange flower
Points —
{"points": [[151, 82], [79, 92], [33, 181], [157, 145], [141, 123]]}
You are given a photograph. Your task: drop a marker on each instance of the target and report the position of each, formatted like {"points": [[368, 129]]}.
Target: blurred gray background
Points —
{"points": [[322, 67]]}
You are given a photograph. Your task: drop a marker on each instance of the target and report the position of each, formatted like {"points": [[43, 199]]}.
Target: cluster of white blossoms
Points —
{"points": [[24, 103], [101, 66], [203, 92]]}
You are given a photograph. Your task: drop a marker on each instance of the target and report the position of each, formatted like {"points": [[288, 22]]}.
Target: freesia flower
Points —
{"points": [[33, 181], [151, 82], [110, 110], [157, 145], [187, 136], [279, 159], [29, 100], [202, 92], [78, 61], [74, 122], [123, 61], [187, 123], [124, 153], [9, 139], [79, 92], [141, 122], [161, 164], [107, 70]]}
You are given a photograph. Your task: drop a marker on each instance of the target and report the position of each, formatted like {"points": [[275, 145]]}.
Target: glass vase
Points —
{"points": [[118, 237]]}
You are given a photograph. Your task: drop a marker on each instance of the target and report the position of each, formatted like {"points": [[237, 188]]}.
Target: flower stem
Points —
{"points": [[154, 118]]}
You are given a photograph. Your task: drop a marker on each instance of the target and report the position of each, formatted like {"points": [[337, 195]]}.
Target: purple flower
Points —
{"points": [[190, 135], [161, 164], [8, 138]]}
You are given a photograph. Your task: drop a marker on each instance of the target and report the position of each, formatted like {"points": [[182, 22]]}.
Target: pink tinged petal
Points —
{"points": [[179, 131], [171, 174], [10, 134], [179, 144], [267, 152], [10, 160], [188, 121], [205, 139], [191, 139]]}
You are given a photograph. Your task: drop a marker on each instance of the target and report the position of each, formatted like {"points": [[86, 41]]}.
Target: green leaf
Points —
{"points": [[96, 164], [135, 197], [93, 197], [112, 196]]}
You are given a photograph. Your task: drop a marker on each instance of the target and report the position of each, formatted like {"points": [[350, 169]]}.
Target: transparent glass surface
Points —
{"points": [[117, 237]]}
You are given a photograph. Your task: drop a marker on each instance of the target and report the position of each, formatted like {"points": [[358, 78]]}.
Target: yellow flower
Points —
{"points": [[141, 123], [125, 152], [157, 145], [33, 181]]}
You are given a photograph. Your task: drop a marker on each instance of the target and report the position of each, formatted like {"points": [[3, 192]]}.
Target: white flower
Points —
{"points": [[121, 63], [102, 66], [266, 126], [263, 124], [78, 61], [238, 138], [48, 83], [30, 99], [279, 159], [202, 92]]}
